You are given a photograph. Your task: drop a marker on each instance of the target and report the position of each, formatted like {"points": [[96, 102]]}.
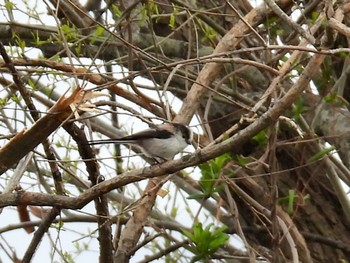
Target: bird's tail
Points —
{"points": [[109, 141]]}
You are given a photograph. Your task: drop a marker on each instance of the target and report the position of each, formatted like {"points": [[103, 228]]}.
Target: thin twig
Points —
{"points": [[246, 23], [279, 12], [38, 235]]}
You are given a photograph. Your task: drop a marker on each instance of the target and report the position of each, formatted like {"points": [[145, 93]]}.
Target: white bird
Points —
{"points": [[161, 142]]}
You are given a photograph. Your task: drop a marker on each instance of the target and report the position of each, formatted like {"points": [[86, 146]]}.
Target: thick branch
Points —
{"points": [[26, 140], [209, 72]]}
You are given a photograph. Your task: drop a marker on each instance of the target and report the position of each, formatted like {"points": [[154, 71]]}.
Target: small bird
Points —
{"points": [[163, 141]]}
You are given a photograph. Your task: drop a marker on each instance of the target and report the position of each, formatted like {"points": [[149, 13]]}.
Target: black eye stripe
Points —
{"points": [[186, 133]]}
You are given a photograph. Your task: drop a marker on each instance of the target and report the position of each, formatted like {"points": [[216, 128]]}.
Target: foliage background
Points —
{"points": [[263, 84]]}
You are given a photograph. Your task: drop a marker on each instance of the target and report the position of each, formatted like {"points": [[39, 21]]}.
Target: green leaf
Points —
{"points": [[15, 98], [173, 15], [261, 138], [58, 225], [291, 199], [210, 173], [205, 241], [314, 16], [299, 108], [70, 33], [37, 41], [330, 97], [197, 229], [198, 196], [97, 35], [19, 42], [172, 21], [173, 212], [187, 234], [78, 48], [319, 155], [9, 5], [153, 7], [343, 55], [31, 83], [219, 241], [116, 11], [3, 102], [209, 32], [241, 160]]}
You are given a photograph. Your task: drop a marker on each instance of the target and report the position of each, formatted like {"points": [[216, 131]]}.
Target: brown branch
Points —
{"points": [[210, 70], [164, 252], [279, 12], [73, 218], [170, 47], [24, 217], [104, 229], [26, 140], [101, 203], [133, 229], [97, 79], [202, 15], [74, 12], [20, 85], [38, 235], [339, 26], [56, 174], [15, 148], [344, 245], [35, 114]]}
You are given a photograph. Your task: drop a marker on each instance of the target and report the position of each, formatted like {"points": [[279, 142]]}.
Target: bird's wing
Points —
{"points": [[149, 134], [133, 138]]}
